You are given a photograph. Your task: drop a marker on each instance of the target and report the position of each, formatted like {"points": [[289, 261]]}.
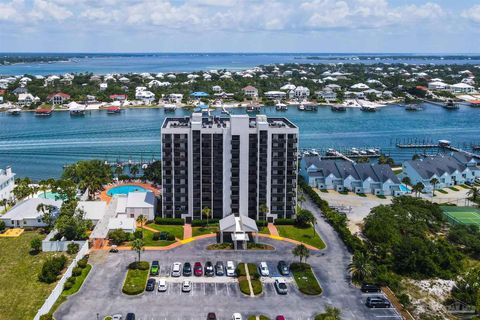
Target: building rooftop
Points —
{"points": [[94, 210], [27, 209], [224, 122]]}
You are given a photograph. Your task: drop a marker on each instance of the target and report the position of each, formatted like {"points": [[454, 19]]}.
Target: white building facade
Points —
{"points": [[7, 183]]}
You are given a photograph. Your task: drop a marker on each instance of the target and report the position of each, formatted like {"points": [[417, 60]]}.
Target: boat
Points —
{"points": [[169, 108], [475, 103], [451, 105], [368, 108], [301, 107], [113, 110], [76, 110], [311, 107], [43, 112], [413, 107], [253, 108], [338, 107], [281, 107], [14, 111]]}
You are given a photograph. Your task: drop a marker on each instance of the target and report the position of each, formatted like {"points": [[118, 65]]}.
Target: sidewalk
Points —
{"points": [[273, 230], [187, 231]]}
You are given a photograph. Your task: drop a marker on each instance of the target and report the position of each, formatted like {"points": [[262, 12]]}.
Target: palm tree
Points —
{"points": [[141, 219], [3, 203], [301, 199], [263, 209], [474, 193], [134, 170], [43, 186], [331, 313], [118, 171], [301, 251], [206, 212], [406, 181], [47, 216], [138, 245], [418, 188], [434, 183], [361, 267]]}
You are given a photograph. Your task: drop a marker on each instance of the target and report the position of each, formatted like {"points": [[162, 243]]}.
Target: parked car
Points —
{"points": [[283, 268], [150, 285], [219, 268], [236, 316], [263, 268], [117, 317], [377, 302], [114, 249], [366, 287], [187, 269], [280, 317], [186, 286], [155, 268], [211, 316], [197, 269], [281, 286], [209, 271], [177, 269], [230, 269], [130, 316], [162, 285]]}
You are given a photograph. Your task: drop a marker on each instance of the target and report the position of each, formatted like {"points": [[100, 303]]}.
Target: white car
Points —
{"points": [[281, 286], [117, 317], [230, 269], [177, 269], [186, 286], [237, 316], [162, 285], [264, 272]]}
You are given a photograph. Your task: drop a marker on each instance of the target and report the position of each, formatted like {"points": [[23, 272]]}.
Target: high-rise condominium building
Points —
{"points": [[230, 165]]}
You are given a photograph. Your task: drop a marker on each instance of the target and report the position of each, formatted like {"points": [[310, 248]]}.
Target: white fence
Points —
{"points": [[58, 245], [57, 291]]}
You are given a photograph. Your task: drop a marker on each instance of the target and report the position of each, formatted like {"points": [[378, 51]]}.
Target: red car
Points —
{"points": [[198, 269], [280, 318]]}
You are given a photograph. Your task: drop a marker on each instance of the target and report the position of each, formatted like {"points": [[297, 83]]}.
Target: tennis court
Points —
{"points": [[462, 215]]}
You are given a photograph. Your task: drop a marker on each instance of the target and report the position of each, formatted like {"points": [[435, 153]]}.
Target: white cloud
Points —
{"points": [[472, 14], [46, 10]]}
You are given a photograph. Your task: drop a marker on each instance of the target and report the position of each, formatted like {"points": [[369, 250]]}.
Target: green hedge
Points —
{"points": [[306, 281], [243, 284], [203, 223], [284, 221], [336, 220], [261, 223], [170, 221]]}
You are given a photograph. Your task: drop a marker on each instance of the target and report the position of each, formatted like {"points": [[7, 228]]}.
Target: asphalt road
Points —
{"points": [[101, 293]]}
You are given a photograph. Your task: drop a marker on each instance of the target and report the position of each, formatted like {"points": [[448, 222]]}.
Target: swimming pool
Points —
{"points": [[49, 195], [125, 189], [404, 188]]}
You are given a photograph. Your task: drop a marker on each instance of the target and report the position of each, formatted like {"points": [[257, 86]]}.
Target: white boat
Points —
{"points": [[281, 107], [301, 107], [169, 107], [14, 111]]}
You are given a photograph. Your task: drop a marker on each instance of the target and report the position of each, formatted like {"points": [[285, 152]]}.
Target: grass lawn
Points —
{"points": [[264, 230], [453, 189], [198, 231], [177, 231], [305, 235], [306, 281], [441, 191], [135, 281], [149, 242], [21, 294]]}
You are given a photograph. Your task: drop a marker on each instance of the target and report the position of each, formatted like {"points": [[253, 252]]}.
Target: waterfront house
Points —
{"points": [[137, 203], [450, 169], [58, 98], [326, 94], [438, 85], [342, 175], [174, 97], [27, 99], [26, 215], [141, 93], [299, 93], [462, 88], [250, 92], [275, 95], [118, 97], [7, 183]]}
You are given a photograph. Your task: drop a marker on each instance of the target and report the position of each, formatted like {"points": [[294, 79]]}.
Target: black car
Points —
{"points": [[130, 316], [377, 302], [283, 268], [366, 287], [187, 269], [211, 316], [150, 285], [208, 270], [219, 268]]}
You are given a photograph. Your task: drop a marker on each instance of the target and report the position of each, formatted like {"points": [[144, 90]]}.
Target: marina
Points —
{"points": [[40, 146]]}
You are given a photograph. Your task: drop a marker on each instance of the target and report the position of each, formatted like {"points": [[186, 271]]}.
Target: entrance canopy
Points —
{"points": [[237, 225]]}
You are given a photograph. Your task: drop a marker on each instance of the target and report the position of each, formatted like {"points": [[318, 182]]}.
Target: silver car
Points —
{"points": [[281, 286], [263, 268], [177, 269]]}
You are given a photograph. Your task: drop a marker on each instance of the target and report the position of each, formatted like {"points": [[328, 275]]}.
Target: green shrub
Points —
{"points": [[156, 236], [240, 271], [138, 234], [73, 248], [203, 223], [52, 268], [35, 245], [261, 223], [243, 284], [142, 265], [68, 285], [170, 221], [82, 263], [2, 226], [163, 235], [118, 236], [284, 221], [47, 316], [76, 271]]}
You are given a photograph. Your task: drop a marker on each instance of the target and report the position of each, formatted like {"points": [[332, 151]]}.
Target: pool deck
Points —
{"points": [[105, 197]]}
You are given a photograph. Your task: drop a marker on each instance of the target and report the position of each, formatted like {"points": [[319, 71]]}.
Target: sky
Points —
{"points": [[404, 26]]}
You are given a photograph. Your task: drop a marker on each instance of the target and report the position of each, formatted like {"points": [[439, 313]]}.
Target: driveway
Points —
{"points": [[101, 293]]}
